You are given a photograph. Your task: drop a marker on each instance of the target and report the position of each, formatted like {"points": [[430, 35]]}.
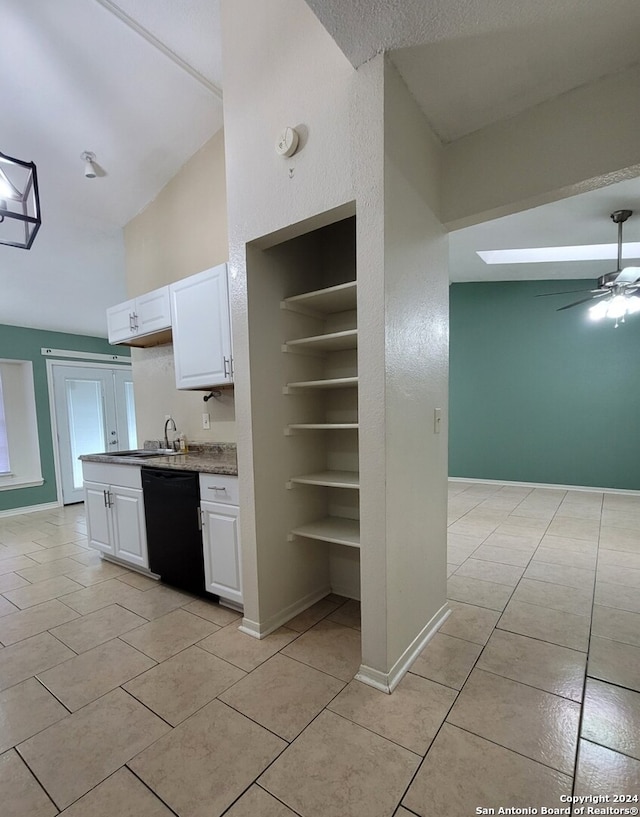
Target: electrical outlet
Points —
{"points": [[437, 420], [205, 420]]}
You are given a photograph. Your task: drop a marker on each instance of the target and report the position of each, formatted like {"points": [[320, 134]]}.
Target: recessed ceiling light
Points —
{"points": [[541, 255]]}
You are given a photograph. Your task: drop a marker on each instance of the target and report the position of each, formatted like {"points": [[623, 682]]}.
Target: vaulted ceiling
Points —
{"points": [[470, 63], [138, 85], [138, 82]]}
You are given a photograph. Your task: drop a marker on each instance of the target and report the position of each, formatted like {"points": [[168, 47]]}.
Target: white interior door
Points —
{"points": [[93, 415]]}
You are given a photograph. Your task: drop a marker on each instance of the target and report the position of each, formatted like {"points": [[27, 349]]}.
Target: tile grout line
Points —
{"points": [[39, 782], [586, 666], [297, 813], [474, 666], [496, 626], [144, 783], [326, 707], [524, 683]]}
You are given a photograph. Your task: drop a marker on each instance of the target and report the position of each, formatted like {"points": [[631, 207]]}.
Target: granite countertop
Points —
{"points": [[207, 458]]}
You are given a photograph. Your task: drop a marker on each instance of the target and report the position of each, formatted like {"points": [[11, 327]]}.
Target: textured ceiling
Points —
{"points": [[470, 63], [473, 62]]}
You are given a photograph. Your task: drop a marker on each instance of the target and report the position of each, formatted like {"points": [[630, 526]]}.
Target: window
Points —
{"points": [[4, 442], [19, 445]]}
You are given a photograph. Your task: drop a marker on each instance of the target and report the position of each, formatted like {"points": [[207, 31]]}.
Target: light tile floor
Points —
{"points": [[119, 696]]}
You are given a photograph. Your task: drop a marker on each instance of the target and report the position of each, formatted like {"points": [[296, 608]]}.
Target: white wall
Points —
{"points": [[282, 68], [579, 141], [416, 363], [182, 232]]}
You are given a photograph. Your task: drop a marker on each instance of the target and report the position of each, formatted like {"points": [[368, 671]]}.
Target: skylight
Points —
{"points": [[541, 255]]}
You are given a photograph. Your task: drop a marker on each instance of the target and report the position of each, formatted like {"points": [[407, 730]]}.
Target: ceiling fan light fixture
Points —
{"points": [[598, 311], [615, 308], [618, 289], [633, 305]]}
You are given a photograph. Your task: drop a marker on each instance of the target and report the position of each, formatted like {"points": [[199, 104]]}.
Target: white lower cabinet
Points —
{"points": [[98, 516], [115, 512], [220, 537], [128, 526]]}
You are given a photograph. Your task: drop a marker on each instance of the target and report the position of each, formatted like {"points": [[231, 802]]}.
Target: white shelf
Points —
{"points": [[331, 529], [318, 427], [324, 301], [331, 342], [332, 383], [330, 479]]}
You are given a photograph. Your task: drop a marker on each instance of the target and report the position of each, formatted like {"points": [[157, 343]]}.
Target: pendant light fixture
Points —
{"points": [[19, 202]]}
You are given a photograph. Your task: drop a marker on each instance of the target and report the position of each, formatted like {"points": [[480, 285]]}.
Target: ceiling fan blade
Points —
{"points": [[581, 301], [566, 292], [629, 275]]}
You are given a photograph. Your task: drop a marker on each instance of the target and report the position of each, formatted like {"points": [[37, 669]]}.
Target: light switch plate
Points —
{"points": [[437, 420], [205, 420]]}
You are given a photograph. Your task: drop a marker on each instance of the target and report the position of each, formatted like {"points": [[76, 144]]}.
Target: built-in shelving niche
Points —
{"points": [[320, 389]]}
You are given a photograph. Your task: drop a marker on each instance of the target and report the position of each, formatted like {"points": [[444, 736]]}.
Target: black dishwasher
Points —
{"points": [[174, 538]]}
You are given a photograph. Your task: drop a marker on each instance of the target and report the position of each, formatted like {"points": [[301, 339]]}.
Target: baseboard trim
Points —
{"points": [[589, 488], [388, 681], [143, 571], [47, 506], [261, 629], [345, 590]]}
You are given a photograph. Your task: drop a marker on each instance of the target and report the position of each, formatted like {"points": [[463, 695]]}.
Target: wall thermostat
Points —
{"points": [[287, 143]]}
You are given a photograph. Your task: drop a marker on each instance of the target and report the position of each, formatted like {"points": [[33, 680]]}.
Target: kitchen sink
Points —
{"points": [[146, 454]]}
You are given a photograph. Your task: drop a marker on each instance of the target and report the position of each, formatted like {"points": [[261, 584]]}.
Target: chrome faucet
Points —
{"points": [[166, 426]]}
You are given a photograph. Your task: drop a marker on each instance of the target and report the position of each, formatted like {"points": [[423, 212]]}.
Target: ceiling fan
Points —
{"points": [[616, 289]]}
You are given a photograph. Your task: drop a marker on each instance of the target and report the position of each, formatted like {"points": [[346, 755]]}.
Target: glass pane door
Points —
{"points": [[86, 419], [87, 430]]}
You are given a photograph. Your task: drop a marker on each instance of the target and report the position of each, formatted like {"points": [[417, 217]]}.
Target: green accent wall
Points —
{"points": [[19, 343], [538, 395]]}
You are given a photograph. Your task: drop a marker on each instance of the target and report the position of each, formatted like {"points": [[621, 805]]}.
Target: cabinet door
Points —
{"points": [[128, 524], [153, 311], [222, 568], [120, 322], [98, 516], [202, 329]]}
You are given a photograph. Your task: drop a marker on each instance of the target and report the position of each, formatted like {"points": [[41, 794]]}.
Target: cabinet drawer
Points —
{"points": [[128, 476], [219, 488]]}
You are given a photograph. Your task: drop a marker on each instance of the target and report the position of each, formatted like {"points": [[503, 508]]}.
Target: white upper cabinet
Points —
{"points": [[120, 322], [153, 311], [142, 321], [202, 330]]}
